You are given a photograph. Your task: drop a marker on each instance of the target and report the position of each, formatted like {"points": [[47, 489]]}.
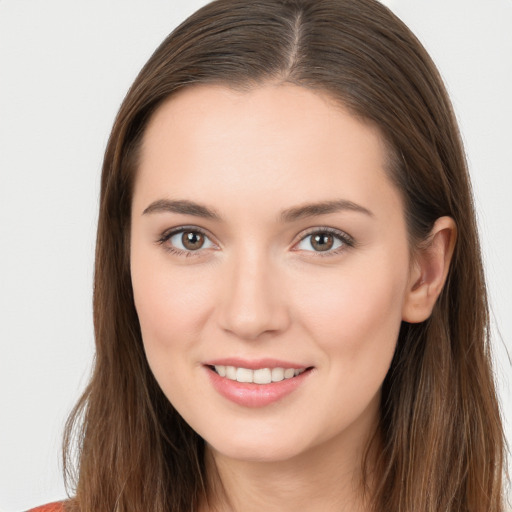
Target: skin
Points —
{"points": [[258, 288]]}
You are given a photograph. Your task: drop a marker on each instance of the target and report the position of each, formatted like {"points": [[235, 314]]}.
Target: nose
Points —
{"points": [[253, 299]]}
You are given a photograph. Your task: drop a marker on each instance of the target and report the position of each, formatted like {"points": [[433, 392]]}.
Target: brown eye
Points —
{"points": [[192, 240], [186, 241], [325, 241], [322, 241]]}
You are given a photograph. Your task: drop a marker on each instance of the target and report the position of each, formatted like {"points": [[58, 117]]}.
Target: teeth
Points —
{"points": [[231, 372], [263, 376], [244, 375], [260, 376], [289, 373], [277, 374]]}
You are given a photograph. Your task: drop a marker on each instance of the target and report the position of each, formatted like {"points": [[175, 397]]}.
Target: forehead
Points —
{"points": [[281, 144]]}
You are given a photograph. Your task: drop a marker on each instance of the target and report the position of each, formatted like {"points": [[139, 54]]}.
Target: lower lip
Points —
{"points": [[255, 395]]}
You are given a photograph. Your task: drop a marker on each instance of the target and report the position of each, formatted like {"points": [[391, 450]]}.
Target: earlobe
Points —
{"points": [[429, 271]]}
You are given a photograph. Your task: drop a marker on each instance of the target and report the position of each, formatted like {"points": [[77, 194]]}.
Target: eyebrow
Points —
{"points": [[322, 208], [186, 207], [181, 206]]}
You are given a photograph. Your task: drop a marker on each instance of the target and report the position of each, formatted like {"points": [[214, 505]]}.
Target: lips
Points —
{"points": [[256, 383]]}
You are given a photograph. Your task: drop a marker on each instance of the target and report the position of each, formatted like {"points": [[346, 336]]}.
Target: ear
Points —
{"points": [[429, 270]]}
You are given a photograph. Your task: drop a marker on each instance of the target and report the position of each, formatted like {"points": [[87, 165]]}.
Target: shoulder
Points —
{"points": [[50, 507]]}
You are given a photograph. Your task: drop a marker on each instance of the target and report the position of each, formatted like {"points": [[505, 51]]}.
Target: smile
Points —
{"points": [[254, 387], [258, 376]]}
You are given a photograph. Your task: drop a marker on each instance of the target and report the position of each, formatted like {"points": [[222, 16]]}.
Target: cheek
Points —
{"points": [[355, 315], [172, 303], [354, 319], [172, 306]]}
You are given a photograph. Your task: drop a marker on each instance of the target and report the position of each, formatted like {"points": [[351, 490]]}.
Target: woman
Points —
{"points": [[290, 306]]}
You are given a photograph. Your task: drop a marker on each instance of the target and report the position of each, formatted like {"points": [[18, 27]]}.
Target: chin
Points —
{"points": [[257, 452], [258, 446]]}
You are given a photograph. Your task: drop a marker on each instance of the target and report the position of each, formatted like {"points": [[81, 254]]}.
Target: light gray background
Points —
{"points": [[65, 66]]}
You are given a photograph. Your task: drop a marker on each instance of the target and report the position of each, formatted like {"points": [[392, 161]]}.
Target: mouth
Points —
{"points": [[256, 383], [257, 376]]}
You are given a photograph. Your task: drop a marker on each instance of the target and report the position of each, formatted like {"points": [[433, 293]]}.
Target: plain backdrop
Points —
{"points": [[65, 66]]}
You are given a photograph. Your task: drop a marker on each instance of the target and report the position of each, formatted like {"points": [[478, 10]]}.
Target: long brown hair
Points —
{"points": [[440, 428]]}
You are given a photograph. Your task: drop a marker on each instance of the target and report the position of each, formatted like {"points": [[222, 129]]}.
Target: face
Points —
{"points": [[270, 268]]}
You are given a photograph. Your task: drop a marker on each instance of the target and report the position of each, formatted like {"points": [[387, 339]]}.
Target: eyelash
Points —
{"points": [[167, 235], [346, 240]]}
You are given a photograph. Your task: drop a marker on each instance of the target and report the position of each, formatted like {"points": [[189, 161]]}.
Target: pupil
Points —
{"points": [[322, 241], [192, 240]]}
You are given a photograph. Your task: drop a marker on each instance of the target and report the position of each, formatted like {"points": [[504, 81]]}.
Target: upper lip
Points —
{"points": [[255, 364]]}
